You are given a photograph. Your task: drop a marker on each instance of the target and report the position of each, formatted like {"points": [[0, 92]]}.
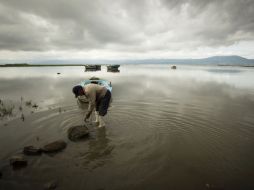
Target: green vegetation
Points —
{"points": [[16, 65], [38, 65]]}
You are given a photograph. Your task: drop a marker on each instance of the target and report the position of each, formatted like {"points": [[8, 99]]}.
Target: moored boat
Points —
{"points": [[93, 67], [113, 68]]}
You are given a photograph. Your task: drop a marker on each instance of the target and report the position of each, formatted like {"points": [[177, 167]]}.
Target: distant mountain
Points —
{"points": [[231, 60], [215, 60]]}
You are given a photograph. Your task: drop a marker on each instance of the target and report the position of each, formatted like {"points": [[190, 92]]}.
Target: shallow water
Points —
{"points": [[190, 128]]}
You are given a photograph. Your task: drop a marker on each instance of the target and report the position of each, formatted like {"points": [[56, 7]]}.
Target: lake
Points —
{"points": [[190, 128]]}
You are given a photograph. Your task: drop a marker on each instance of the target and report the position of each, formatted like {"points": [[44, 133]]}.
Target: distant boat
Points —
{"points": [[113, 68], [93, 67]]}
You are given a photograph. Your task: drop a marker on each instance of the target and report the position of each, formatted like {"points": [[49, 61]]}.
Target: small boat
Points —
{"points": [[94, 80], [93, 67], [113, 68]]}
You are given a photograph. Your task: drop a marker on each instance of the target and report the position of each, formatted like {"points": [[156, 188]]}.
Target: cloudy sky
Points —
{"points": [[125, 29]]}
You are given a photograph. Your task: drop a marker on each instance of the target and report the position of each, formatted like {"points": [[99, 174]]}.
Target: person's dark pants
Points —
{"points": [[103, 104]]}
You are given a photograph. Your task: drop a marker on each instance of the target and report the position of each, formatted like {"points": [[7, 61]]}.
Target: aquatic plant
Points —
{"points": [[6, 109], [29, 103], [35, 106], [22, 117]]}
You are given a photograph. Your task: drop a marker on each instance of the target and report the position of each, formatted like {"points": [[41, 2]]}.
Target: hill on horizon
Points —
{"points": [[214, 60]]}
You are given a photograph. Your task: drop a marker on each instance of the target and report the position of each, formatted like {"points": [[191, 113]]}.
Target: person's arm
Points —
{"points": [[92, 102]]}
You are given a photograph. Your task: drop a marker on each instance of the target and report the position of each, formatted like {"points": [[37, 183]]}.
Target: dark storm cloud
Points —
{"points": [[61, 24], [222, 19], [123, 25]]}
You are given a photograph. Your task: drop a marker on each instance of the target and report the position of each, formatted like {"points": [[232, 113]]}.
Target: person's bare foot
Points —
{"points": [[96, 123], [101, 122]]}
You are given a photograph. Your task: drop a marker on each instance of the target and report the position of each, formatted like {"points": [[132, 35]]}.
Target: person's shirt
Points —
{"points": [[94, 93]]}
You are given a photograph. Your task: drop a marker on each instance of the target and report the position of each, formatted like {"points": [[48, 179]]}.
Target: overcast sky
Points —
{"points": [[125, 29]]}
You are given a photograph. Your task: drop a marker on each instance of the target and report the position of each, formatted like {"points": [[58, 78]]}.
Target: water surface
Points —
{"points": [[189, 128]]}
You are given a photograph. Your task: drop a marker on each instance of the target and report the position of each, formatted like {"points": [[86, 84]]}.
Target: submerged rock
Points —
{"points": [[50, 185], [212, 187], [54, 146], [18, 161], [76, 133], [31, 150]]}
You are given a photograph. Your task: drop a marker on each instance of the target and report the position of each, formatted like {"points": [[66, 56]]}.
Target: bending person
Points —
{"points": [[99, 99]]}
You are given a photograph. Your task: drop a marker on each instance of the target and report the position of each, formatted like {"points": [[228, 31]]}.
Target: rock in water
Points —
{"points": [[18, 162], [76, 133], [50, 185], [54, 146], [31, 150]]}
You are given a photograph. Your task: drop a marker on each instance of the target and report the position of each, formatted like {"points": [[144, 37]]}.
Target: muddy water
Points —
{"points": [[190, 128]]}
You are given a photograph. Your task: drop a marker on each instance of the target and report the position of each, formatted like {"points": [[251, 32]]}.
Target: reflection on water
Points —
{"points": [[189, 128], [99, 150], [224, 71]]}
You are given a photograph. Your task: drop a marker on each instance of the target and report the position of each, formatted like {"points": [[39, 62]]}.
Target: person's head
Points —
{"points": [[78, 91]]}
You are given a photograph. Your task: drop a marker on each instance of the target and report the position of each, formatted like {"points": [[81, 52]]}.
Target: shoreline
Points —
{"points": [[40, 65], [78, 65]]}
